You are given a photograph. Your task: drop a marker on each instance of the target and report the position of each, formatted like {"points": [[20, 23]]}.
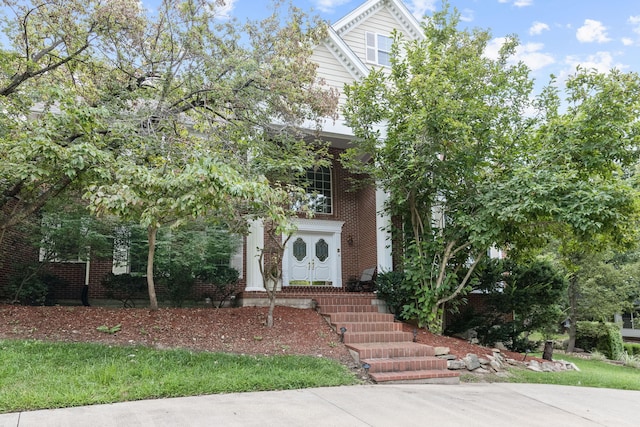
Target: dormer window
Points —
{"points": [[378, 49]]}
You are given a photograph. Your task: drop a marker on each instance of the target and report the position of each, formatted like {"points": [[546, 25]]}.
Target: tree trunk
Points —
{"points": [[548, 350], [153, 300], [573, 311]]}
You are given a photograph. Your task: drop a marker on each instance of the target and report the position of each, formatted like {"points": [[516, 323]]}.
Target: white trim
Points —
{"points": [[398, 10], [255, 245], [347, 58], [383, 232], [320, 226]]}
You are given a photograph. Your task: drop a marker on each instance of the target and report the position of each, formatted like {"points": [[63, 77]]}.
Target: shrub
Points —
{"points": [[390, 287], [179, 283], [224, 280], [33, 286], [603, 337], [632, 349], [124, 287]]}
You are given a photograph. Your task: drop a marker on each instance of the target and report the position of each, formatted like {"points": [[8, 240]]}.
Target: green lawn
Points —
{"points": [[593, 373], [38, 375]]}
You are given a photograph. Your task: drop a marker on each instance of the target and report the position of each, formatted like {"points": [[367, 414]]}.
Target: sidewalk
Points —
{"points": [[466, 405]]}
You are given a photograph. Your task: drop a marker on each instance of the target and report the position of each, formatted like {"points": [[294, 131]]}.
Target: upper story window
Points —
{"points": [[319, 190], [378, 49]]}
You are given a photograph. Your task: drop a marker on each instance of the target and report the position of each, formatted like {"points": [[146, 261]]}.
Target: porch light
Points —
{"points": [[342, 331]]}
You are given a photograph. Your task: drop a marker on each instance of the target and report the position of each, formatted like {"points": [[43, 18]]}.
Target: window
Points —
{"points": [[319, 190], [378, 49], [130, 248]]}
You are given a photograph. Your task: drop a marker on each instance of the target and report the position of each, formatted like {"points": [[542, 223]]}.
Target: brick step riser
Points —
{"points": [[392, 352], [368, 327], [400, 365], [348, 309], [361, 317], [377, 337], [343, 301], [382, 377]]}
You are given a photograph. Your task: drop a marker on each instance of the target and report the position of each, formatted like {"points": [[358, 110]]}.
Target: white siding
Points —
{"points": [[382, 22], [331, 70]]}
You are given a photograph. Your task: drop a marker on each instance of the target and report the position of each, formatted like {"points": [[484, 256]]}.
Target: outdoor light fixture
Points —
{"points": [[342, 331], [415, 335], [366, 367]]}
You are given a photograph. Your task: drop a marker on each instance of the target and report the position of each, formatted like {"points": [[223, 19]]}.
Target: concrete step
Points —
{"points": [[421, 377], [363, 317], [400, 364], [377, 337], [368, 326]]}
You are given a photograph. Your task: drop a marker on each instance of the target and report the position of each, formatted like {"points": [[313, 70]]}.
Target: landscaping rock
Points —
{"points": [[471, 361]]}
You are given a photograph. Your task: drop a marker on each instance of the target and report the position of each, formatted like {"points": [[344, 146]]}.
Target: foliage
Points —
{"points": [[33, 286], [604, 337], [608, 284], [179, 281], [201, 114], [224, 280], [74, 374], [392, 289], [53, 63], [453, 120], [632, 349], [109, 330], [124, 287]]}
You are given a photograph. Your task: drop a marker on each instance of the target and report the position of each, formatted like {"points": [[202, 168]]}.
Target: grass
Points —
{"points": [[39, 375], [593, 373]]}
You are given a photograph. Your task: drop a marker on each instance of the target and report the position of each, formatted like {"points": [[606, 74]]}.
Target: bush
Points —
{"points": [[603, 337], [124, 287], [33, 286], [179, 284], [390, 288], [632, 349], [224, 280]]}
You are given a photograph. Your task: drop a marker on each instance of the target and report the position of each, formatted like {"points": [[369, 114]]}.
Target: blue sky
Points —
{"points": [[555, 35]]}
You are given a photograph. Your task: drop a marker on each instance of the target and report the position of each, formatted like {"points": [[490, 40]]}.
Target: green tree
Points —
{"points": [[213, 112], [452, 120], [54, 134], [577, 179], [530, 291]]}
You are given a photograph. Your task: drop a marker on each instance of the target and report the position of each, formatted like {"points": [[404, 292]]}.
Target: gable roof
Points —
{"points": [[409, 24]]}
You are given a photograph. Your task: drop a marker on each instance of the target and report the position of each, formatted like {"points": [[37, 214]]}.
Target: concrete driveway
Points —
{"points": [[466, 405]]}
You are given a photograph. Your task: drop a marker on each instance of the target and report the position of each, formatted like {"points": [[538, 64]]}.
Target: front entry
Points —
{"points": [[313, 257]]}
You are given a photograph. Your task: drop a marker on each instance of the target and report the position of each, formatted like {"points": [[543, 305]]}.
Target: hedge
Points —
{"points": [[603, 337]]}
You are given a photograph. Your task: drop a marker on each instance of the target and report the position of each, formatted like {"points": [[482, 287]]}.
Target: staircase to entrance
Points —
{"points": [[379, 344]]}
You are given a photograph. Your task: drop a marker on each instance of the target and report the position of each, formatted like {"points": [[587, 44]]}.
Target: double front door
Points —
{"points": [[312, 259]]}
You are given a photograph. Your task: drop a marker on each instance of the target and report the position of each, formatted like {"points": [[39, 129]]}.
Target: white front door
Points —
{"points": [[313, 256]]}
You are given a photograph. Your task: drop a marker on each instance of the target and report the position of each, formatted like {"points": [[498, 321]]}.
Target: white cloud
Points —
{"points": [[466, 15], [602, 62], [518, 3], [329, 5], [592, 31], [627, 41], [419, 8], [530, 54], [538, 28], [222, 10]]}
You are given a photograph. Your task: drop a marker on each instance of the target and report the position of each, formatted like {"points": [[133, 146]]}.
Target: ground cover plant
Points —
{"points": [[36, 374]]}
